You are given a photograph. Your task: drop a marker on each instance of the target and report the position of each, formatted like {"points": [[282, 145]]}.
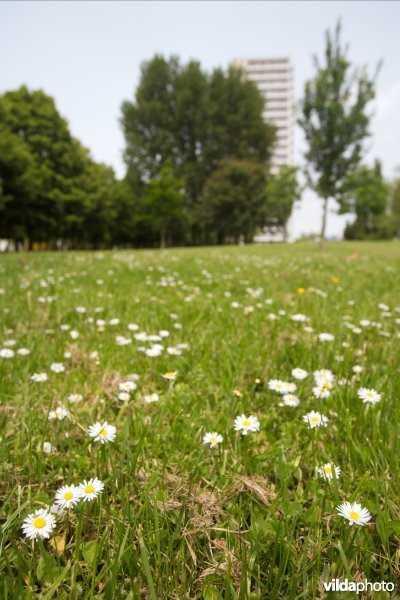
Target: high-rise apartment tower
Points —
{"points": [[274, 79]]}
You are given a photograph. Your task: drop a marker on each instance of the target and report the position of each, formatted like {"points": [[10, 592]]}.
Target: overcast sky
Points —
{"points": [[88, 55]]}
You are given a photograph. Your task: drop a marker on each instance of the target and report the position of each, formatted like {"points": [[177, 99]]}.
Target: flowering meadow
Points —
{"points": [[217, 423]]}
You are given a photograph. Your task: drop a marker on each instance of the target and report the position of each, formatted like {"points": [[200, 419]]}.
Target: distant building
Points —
{"points": [[274, 79]]}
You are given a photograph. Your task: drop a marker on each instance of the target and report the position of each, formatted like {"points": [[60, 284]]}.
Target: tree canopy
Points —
{"points": [[195, 120], [234, 204], [335, 121], [282, 191], [50, 188]]}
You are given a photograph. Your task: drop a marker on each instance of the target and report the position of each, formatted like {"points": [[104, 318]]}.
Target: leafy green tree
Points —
{"points": [[194, 120], [366, 194], [53, 161], [395, 204], [282, 191], [234, 201], [388, 224], [16, 177], [335, 121], [149, 122], [99, 205], [164, 204], [236, 125]]}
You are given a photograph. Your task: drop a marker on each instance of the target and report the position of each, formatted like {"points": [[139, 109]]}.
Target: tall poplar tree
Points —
{"points": [[335, 121]]}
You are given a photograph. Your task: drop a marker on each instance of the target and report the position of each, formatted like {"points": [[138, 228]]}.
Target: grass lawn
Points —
{"points": [[251, 517]]}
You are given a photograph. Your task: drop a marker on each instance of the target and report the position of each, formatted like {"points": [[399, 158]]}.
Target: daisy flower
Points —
{"points": [[322, 376], [299, 318], [322, 391], [6, 353], [149, 398], [39, 377], [213, 439], [122, 340], [124, 396], [74, 334], [353, 512], [288, 387], [102, 432], [276, 385], [75, 398], [170, 375], [39, 524], [153, 351], [23, 351], [45, 447], [328, 471], [299, 373], [60, 413], [246, 424], [89, 490], [127, 386], [326, 337], [173, 351], [290, 400], [315, 419], [133, 377], [237, 393], [67, 496], [369, 396], [384, 306]]}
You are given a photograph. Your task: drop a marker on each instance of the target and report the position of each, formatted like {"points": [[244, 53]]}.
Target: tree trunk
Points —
{"points": [[323, 225], [163, 239]]}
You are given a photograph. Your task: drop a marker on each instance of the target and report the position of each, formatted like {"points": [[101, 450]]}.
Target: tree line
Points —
{"points": [[197, 154]]}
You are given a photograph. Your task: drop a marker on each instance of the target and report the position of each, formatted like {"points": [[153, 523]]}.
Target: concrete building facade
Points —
{"points": [[274, 79]]}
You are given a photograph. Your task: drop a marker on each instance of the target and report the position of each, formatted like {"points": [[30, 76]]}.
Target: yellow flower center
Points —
{"points": [[89, 489], [213, 439], [370, 394], [169, 374], [246, 423], [39, 523], [326, 384], [68, 495], [314, 419], [354, 515], [328, 470], [102, 432]]}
